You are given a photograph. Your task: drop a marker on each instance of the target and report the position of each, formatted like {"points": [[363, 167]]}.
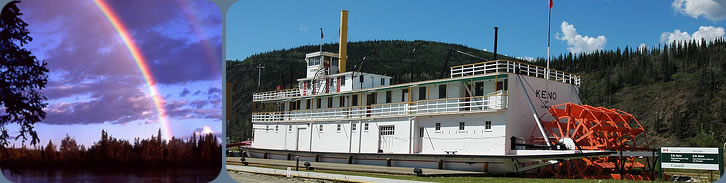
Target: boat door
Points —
{"points": [[418, 146], [303, 140], [385, 138]]}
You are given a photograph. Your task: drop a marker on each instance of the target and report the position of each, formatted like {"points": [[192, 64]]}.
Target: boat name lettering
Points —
{"points": [[545, 94]]}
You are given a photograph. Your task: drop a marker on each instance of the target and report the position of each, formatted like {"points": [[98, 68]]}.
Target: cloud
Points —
{"points": [[642, 47], [173, 61], [100, 50], [198, 104], [530, 59], [118, 105], [578, 43], [93, 78], [213, 90], [184, 93], [182, 109], [707, 33], [714, 10], [303, 27]]}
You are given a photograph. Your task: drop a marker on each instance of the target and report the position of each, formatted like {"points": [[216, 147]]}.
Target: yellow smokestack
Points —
{"points": [[343, 40]]}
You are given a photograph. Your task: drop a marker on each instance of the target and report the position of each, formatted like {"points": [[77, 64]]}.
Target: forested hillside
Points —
{"points": [[676, 90]]}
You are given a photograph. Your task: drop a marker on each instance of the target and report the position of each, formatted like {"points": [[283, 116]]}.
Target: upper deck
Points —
{"points": [[481, 68]]}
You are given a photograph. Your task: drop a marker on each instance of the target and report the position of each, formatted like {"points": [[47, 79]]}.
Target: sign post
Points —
{"points": [[690, 158], [660, 167]]}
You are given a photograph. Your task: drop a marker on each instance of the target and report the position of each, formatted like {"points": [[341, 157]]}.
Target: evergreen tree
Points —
{"points": [[50, 151]]}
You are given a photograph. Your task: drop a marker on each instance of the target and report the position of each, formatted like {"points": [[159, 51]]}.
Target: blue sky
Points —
{"points": [[260, 26], [95, 84]]}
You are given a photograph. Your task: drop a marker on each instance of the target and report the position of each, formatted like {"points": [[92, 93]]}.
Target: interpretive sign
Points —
{"points": [[691, 158]]}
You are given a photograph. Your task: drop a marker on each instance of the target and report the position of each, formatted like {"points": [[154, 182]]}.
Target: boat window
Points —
{"points": [[354, 100], [277, 127], [289, 128], [365, 127], [388, 130], [313, 61], [420, 132], [438, 126], [341, 101], [307, 104], [342, 80], [442, 91], [317, 103], [479, 89], [383, 81], [388, 96], [321, 128], [353, 127], [339, 127], [506, 87], [330, 102], [462, 125], [422, 93], [403, 95], [488, 125], [371, 99]]}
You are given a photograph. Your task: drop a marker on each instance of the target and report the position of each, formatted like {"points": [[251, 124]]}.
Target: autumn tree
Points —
{"points": [[22, 76]]}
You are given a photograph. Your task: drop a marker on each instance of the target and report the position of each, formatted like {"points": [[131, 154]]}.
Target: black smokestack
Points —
{"points": [[496, 35]]}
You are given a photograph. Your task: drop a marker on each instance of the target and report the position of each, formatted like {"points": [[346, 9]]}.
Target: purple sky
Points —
{"points": [[95, 84]]}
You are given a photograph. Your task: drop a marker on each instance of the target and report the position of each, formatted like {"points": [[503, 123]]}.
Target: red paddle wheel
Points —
{"points": [[595, 128]]}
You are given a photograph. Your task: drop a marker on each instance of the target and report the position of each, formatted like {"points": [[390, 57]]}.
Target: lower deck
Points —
{"points": [[474, 134]]}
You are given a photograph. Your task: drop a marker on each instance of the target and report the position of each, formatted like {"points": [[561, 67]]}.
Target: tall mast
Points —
{"points": [[549, 18]]}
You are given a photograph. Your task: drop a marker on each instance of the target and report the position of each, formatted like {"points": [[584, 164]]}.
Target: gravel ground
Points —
{"points": [[263, 178]]}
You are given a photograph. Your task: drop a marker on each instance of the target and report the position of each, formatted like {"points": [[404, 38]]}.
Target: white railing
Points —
{"points": [[513, 67], [456, 71], [276, 94], [468, 104]]}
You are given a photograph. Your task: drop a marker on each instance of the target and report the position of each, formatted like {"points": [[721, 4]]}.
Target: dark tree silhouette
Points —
{"points": [[22, 76], [50, 151], [200, 151], [69, 149]]}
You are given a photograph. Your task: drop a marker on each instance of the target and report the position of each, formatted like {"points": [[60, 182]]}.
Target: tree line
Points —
{"points": [[199, 150]]}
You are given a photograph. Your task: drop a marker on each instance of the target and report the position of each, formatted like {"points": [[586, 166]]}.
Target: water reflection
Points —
{"points": [[128, 175]]}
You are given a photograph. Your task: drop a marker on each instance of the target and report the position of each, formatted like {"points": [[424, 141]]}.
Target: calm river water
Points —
{"points": [[145, 175]]}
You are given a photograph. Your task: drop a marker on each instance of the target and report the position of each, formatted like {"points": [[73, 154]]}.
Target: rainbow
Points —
{"points": [[140, 62]]}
